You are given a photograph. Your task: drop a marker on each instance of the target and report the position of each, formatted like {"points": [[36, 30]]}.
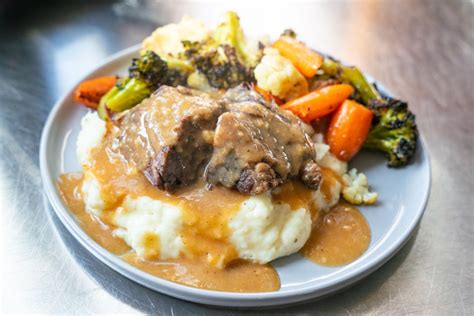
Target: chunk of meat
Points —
{"points": [[169, 136], [257, 147]]}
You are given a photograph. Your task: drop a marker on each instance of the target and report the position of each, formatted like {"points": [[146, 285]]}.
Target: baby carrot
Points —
{"points": [[90, 91], [319, 103], [348, 129]]}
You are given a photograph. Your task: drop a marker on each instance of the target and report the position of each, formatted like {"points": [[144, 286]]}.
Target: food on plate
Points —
{"points": [[217, 154], [91, 91]]}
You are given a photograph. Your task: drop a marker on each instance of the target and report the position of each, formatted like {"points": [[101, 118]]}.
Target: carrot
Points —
{"points": [[89, 92], [348, 129], [304, 58], [267, 95], [319, 103]]}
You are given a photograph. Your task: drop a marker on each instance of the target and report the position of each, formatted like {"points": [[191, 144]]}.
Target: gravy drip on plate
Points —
{"points": [[339, 237], [239, 276]]}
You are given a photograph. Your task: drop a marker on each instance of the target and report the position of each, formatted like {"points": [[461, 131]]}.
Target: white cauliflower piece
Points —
{"points": [[356, 188], [167, 40], [277, 75]]}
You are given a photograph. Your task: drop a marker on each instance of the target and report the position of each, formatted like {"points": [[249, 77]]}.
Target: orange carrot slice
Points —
{"points": [[89, 92], [319, 103], [348, 129]]}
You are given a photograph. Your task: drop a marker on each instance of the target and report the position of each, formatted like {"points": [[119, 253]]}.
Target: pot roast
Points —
{"points": [[237, 140]]}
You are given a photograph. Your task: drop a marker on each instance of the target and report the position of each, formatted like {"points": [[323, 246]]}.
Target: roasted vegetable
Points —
{"points": [[220, 64], [306, 60], [230, 32], [394, 131], [319, 103], [348, 129], [90, 92], [277, 75], [223, 58], [365, 92], [146, 74], [127, 93]]}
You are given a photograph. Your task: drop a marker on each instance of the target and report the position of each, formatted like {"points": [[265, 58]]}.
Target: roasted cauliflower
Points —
{"points": [[356, 188], [279, 76]]}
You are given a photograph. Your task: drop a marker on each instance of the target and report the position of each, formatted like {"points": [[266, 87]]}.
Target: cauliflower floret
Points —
{"points": [[277, 75], [167, 40], [356, 188]]}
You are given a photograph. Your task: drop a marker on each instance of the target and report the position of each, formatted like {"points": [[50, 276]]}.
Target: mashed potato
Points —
{"points": [[150, 227], [263, 231], [92, 132], [260, 230]]}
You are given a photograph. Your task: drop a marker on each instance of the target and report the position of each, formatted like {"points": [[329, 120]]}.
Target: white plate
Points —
{"points": [[403, 196]]}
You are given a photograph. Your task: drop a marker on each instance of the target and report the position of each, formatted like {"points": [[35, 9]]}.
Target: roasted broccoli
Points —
{"points": [[393, 132], [146, 74], [221, 65], [224, 57]]}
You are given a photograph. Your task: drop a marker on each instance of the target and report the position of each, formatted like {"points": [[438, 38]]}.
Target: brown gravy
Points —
{"points": [[340, 236], [239, 276], [69, 187]]}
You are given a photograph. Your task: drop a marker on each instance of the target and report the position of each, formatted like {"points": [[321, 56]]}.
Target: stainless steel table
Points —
{"points": [[422, 50]]}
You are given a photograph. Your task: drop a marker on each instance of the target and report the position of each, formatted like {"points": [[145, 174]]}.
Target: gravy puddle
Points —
{"points": [[340, 237]]}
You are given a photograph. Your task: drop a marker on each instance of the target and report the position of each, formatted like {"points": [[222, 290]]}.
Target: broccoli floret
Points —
{"points": [[224, 57], [222, 67], [146, 74], [393, 132], [149, 68], [230, 32], [127, 93]]}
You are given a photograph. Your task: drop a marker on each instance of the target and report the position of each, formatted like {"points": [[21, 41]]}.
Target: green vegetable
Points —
{"points": [[393, 132], [146, 74], [223, 58], [126, 94], [220, 65], [230, 32]]}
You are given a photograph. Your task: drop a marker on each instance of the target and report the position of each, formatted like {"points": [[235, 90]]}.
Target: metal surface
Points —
{"points": [[423, 51]]}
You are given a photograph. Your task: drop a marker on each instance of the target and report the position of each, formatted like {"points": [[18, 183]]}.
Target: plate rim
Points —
{"points": [[217, 298]]}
